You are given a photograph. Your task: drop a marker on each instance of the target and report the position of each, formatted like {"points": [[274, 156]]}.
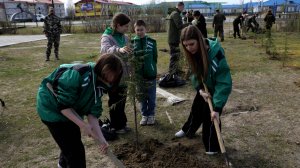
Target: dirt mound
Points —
{"points": [[152, 153]]}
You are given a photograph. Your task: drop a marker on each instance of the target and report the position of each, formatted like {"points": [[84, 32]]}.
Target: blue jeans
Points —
{"points": [[148, 98]]}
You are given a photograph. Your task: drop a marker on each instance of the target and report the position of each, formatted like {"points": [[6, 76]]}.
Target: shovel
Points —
{"points": [[216, 123]]}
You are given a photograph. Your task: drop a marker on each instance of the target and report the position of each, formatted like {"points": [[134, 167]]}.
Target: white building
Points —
{"points": [[26, 8]]}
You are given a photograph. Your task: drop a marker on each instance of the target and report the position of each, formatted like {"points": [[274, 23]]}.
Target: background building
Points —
{"points": [[26, 8]]}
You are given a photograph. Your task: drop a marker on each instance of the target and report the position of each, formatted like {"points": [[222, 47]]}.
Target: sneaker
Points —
{"points": [[180, 134], [151, 120], [211, 153], [144, 120], [47, 59], [59, 166]]}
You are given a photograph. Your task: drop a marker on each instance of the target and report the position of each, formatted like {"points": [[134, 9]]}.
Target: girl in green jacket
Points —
{"points": [[68, 94], [209, 66], [114, 40]]}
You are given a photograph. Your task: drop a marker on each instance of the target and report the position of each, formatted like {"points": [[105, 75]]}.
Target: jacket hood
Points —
{"points": [[108, 31], [214, 47]]}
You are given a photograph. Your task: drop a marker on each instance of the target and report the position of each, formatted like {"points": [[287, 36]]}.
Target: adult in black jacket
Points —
{"points": [[236, 22], [269, 19], [200, 22]]}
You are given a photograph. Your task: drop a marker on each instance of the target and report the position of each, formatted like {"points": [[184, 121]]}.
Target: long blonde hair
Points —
{"points": [[199, 62]]}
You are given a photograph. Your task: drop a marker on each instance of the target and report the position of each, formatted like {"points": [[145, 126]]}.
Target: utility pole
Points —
{"points": [[5, 11], [52, 4]]}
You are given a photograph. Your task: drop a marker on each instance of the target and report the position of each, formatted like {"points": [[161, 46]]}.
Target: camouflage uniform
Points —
{"points": [[52, 30], [218, 21]]}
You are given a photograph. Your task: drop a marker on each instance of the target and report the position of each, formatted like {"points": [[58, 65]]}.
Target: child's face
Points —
{"points": [[191, 46], [140, 31], [122, 29]]}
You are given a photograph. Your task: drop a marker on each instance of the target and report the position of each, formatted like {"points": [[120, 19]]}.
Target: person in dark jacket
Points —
{"points": [[236, 22], [217, 24], [71, 92], [145, 53], [269, 20], [252, 23], [174, 28], [114, 40], [199, 21], [209, 67], [52, 30]]}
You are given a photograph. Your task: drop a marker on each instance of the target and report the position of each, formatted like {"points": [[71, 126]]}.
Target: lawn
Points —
{"points": [[260, 124]]}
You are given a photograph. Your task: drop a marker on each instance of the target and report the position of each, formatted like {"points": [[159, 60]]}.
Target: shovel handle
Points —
{"points": [[216, 123]]}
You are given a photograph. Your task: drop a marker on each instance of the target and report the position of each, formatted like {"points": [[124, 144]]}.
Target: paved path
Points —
{"points": [[11, 40]]}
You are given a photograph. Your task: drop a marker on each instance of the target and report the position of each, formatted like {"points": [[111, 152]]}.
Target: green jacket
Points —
{"points": [[145, 52], [218, 80], [75, 86], [174, 27]]}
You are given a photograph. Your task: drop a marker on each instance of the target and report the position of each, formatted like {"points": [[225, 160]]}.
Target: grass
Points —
{"points": [[264, 138]]}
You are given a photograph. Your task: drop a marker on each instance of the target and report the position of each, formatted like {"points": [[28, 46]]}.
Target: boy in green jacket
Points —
{"points": [[71, 92], [145, 53]]}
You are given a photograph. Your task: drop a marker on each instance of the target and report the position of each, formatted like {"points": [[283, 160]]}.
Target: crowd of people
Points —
{"points": [[73, 91]]}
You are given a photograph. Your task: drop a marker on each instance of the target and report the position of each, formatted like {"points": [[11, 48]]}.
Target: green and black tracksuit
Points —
{"points": [[219, 84], [74, 86]]}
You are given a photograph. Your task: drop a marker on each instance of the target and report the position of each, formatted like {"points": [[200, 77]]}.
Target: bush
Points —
{"points": [[7, 28]]}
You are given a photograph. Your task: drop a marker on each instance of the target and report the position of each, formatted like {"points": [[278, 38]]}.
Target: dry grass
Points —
{"points": [[266, 137]]}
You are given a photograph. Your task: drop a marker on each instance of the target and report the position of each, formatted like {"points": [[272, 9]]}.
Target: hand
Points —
{"points": [[125, 49], [215, 115], [87, 130], [103, 147], [204, 95]]}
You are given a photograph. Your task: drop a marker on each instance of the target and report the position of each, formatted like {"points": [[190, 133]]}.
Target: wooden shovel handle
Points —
{"points": [[216, 123]]}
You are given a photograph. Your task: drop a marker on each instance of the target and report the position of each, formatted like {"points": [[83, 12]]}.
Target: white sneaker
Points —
{"points": [[144, 120], [180, 134], [59, 166], [211, 153], [151, 120]]}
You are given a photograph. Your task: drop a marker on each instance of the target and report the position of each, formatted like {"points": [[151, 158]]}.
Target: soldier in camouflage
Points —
{"points": [[52, 30]]}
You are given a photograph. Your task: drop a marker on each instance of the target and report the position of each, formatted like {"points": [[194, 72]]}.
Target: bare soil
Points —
{"points": [[176, 153]]}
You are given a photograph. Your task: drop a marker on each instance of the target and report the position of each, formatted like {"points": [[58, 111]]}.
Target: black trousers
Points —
{"points": [[116, 103], [200, 114], [174, 58], [219, 29], [236, 30], [68, 137]]}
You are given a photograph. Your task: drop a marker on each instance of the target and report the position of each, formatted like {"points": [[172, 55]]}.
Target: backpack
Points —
{"points": [[107, 132], [169, 80]]}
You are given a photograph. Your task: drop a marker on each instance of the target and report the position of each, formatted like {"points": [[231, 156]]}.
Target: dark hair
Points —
{"points": [[199, 65], [109, 63], [139, 23], [121, 19], [196, 13], [217, 10], [180, 4]]}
